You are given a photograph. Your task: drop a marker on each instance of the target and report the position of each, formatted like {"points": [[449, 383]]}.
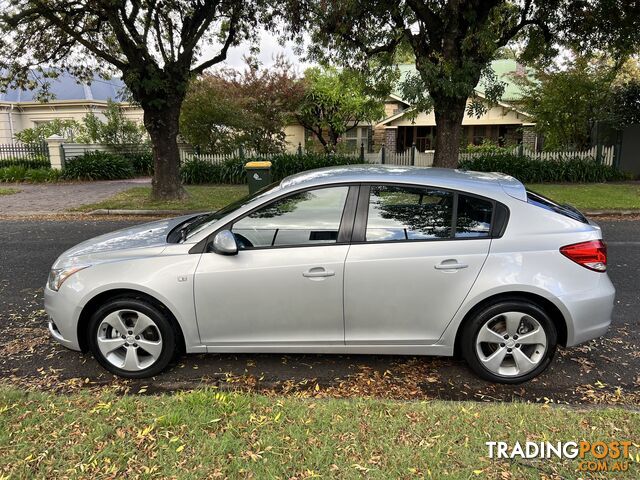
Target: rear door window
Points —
{"points": [[408, 213]]}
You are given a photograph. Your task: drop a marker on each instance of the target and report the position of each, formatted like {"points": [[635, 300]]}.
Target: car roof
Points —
{"points": [[474, 182]]}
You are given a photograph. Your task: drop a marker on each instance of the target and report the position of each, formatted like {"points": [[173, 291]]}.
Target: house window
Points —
{"points": [[355, 137], [479, 134], [424, 138]]}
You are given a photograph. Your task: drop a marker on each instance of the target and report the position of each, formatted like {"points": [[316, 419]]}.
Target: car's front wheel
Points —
{"points": [[509, 342], [131, 338]]}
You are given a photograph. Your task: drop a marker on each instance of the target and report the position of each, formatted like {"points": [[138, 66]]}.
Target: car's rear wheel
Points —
{"points": [[509, 342], [131, 338]]}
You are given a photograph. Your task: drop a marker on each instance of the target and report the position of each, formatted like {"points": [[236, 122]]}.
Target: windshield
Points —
{"points": [[205, 220]]}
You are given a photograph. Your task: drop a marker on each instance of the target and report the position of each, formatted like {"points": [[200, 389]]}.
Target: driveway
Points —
{"points": [[606, 370], [51, 198]]}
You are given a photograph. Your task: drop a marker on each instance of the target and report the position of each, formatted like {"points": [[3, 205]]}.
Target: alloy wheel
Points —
{"points": [[129, 340], [511, 344]]}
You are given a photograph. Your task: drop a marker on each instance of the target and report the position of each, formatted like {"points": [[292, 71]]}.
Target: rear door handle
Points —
{"points": [[318, 272], [450, 265]]}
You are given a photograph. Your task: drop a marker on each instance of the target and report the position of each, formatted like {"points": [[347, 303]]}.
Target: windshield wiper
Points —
{"points": [[184, 229]]}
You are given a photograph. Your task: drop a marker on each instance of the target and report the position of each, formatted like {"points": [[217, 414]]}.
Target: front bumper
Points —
{"points": [[63, 325]]}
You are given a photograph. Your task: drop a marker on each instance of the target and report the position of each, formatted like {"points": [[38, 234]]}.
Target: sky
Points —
{"points": [[269, 49]]}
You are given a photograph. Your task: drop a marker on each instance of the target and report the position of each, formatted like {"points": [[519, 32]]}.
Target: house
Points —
{"points": [[19, 109], [400, 128]]}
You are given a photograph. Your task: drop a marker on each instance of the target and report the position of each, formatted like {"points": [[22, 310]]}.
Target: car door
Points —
{"points": [[285, 285], [412, 262]]}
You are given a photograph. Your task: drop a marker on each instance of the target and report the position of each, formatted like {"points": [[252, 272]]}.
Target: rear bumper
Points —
{"points": [[589, 312]]}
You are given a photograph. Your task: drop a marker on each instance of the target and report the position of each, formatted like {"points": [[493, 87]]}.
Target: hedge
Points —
{"points": [[197, 171], [98, 166], [531, 170], [24, 174], [32, 162]]}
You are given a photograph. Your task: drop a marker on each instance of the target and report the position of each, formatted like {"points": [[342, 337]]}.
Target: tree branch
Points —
{"points": [[222, 55]]}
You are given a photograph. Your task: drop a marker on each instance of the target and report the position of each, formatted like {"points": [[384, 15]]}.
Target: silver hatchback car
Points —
{"points": [[357, 259]]}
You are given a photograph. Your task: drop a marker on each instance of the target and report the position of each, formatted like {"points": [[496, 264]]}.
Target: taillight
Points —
{"points": [[591, 255]]}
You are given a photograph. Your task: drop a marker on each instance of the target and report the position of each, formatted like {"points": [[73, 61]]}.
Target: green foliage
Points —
{"points": [[624, 108], [142, 162], [566, 103], [529, 170], [24, 174], [34, 161], [228, 109], [98, 166], [488, 147], [335, 100], [69, 129], [197, 171], [115, 131]]}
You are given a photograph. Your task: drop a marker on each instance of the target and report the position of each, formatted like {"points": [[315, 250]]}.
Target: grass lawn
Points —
{"points": [[208, 434], [593, 196], [8, 191], [202, 198]]}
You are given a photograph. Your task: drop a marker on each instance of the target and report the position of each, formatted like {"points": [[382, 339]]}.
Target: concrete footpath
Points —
{"points": [[52, 198]]}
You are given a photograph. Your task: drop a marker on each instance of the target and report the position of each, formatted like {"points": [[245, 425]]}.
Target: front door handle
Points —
{"points": [[318, 272], [450, 265]]}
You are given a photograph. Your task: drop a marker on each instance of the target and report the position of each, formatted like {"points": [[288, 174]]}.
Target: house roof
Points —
{"points": [[505, 70], [66, 87]]}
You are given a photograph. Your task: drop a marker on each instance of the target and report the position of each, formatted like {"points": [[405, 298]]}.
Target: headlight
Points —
{"points": [[57, 276]]}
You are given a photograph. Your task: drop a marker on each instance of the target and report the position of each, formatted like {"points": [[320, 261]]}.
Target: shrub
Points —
{"points": [[198, 171], [98, 166], [24, 174], [531, 170], [35, 161], [488, 147], [142, 162]]}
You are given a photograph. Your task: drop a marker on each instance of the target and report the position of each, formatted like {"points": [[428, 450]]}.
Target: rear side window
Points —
{"points": [[548, 204], [474, 217]]}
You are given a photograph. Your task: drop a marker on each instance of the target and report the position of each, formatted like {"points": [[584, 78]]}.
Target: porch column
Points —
{"points": [[529, 137], [391, 139], [56, 155]]}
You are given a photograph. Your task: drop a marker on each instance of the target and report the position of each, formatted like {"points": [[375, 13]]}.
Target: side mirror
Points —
{"points": [[224, 243]]}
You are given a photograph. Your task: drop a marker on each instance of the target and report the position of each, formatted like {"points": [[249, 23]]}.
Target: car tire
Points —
{"points": [[495, 353], [146, 347]]}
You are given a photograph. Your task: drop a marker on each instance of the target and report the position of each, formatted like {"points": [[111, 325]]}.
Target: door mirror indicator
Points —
{"points": [[224, 243]]}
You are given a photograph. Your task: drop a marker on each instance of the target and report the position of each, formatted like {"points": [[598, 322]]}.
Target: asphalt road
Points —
{"points": [[603, 371]]}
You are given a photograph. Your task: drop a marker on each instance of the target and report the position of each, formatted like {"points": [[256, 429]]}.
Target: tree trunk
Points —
{"points": [[449, 114], [162, 125]]}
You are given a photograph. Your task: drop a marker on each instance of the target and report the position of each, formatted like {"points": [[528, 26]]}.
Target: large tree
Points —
{"points": [[453, 42], [157, 46]]}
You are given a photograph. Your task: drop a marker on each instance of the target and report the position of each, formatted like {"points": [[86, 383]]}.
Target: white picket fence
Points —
{"points": [[606, 154], [425, 159], [408, 157], [187, 153]]}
